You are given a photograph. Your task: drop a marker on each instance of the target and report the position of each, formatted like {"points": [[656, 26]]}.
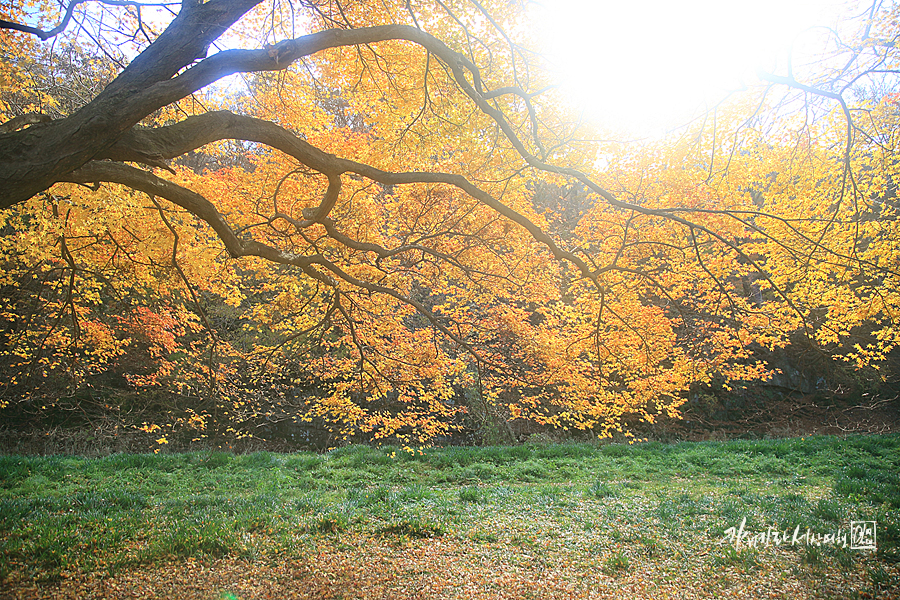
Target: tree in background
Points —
{"points": [[378, 199]]}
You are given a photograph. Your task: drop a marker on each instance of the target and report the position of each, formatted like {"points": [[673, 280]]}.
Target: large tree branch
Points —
{"points": [[137, 179], [97, 172], [194, 132], [281, 55], [156, 68], [32, 159]]}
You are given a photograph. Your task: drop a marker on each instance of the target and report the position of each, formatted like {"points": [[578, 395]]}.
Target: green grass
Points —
{"points": [[617, 503]]}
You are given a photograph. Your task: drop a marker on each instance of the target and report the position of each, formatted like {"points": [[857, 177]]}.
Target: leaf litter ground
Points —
{"points": [[571, 521]]}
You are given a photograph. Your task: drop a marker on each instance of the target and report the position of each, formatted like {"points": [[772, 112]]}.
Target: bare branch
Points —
{"points": [[44, 35]]}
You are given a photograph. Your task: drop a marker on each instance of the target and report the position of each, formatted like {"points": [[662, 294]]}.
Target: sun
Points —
{"points": [[649, 65]]}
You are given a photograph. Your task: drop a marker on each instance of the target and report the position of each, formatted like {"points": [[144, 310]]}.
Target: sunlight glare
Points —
{"points": [[647, 65]]}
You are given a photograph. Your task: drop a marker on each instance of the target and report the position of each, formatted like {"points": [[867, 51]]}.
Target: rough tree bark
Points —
{"points": [[33, 159]]}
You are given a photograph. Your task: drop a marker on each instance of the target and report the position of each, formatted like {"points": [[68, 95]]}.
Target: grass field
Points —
{"points": [[536, 521]]}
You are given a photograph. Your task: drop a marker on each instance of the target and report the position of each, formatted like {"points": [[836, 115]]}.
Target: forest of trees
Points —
{"points": [[381, 219]]}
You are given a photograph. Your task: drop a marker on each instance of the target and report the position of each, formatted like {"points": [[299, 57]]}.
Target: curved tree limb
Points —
{"points": [[32, 159], [202, 208], [174, 140], [44, 35], [180, 138], [191, 201]]}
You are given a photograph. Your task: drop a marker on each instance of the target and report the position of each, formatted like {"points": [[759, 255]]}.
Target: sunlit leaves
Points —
{"points": [[406, 305]]}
